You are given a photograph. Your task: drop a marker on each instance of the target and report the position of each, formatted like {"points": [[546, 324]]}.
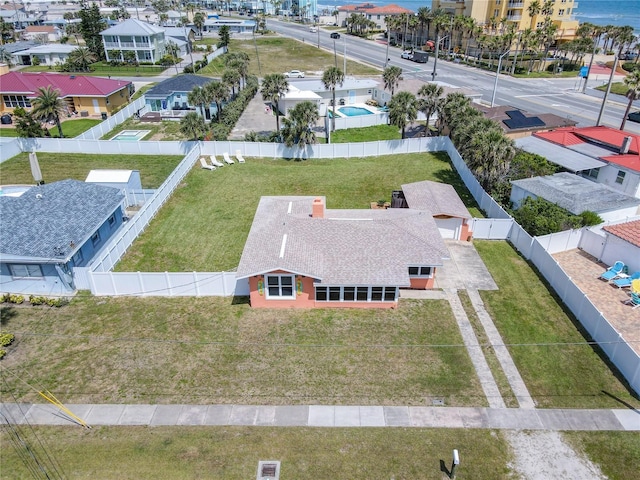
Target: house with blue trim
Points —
{"points": [[51, 229], [172, 93]]}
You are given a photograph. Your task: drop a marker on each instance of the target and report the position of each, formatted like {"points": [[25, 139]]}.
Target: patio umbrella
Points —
{"points": [[35, 168]]}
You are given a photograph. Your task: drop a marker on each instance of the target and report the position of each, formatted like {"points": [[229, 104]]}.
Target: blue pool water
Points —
{"points": [[354, 111]]}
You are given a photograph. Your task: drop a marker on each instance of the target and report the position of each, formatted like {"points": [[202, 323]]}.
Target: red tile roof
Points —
{"points": [[371, 9], [40, 29], [629, 231], [601, 135], [68, 85]]}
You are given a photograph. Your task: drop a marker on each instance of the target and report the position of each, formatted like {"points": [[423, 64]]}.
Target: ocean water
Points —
{"points": [[598, 12]]}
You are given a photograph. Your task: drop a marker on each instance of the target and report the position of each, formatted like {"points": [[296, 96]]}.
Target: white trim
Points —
{"points": [[268, 296]]}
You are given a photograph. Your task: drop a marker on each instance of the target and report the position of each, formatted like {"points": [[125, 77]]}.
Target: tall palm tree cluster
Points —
{"points": [[359, 25], [235, 79], [463, 36]]}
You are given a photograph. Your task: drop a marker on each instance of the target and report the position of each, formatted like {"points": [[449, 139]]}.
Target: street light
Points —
{"points": [[495, 85], [435, 60]]}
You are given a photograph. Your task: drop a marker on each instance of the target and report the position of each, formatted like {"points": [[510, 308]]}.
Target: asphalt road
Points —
{"points": [[561, 96]]}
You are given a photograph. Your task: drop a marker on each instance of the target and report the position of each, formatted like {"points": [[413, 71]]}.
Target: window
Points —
{"points": [[95, 238], [280, 286], [111, 220], [77, 258], [376, 294], [321, 294], [561, 12], [26, 271], [349, 294], [593, 172], [420, 271], [390, 294], [362, 294], [620, 177], [356, 294], [334, 294], [16, 101]]}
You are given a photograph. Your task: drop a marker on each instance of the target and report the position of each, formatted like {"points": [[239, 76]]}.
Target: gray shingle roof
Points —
{"points": [[54, 215], [434, 197], [179, 83], [132, 26], [576, 194], [346, 247]]}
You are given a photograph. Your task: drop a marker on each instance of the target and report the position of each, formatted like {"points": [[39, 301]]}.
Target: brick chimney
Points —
{"points": [[317, 210]]}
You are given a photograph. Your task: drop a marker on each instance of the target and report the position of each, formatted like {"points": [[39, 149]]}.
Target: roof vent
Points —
{"points": [[72, 77], [39, 196], [626, 143]]}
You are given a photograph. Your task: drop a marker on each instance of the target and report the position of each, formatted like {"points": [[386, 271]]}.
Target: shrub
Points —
{"points": [[56, 302], [6, 339], [2, 353], [18, 299], [33, 300], [590, 218]]}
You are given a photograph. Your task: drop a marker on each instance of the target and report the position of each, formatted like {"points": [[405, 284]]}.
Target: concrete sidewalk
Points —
{"points": [[327, 416]]}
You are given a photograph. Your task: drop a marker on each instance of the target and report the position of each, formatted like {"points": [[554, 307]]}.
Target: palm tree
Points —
{"points": [[48, 106], [240, 62], [403, 110], [430, 99], [331, 77], [197, 97], [533, 9], [391, 77], [489, 155], [632, 81], [453, 103], [298, 128], [216, 92], [193, 126], [424, 17], [199, 20], [81, 58], [273, 87], [231, 77]]}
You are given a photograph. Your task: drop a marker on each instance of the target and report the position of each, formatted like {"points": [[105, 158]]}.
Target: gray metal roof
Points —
{"points": [[571, 160], [349, 83], [52, 221], [576, 194], [132, 26], [434, 197], [346, 247], [18, 46]]}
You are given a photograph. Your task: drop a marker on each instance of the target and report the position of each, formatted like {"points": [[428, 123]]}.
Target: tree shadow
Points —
{"points": [[6, 314]]}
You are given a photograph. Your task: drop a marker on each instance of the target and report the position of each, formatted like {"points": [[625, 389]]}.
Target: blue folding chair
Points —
{"points": [[613, 272]]}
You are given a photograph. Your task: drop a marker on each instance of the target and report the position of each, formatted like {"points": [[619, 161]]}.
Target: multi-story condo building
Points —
{"points": [[514, 11]]}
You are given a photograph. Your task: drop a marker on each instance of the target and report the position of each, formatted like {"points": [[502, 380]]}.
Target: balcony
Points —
{"points": [[515, 5], [514, 18]]}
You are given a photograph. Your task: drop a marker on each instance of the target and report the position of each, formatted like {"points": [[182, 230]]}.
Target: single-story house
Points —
{"points": [[126, 182], [172, 93], [576, 195], [42, 33], [518, 123], [186, 34], [82, 94], [617, 150], [301, 254], [14, 50], [48, 54], [52, 228], [235, 26], [352, 91], [622, 242]]}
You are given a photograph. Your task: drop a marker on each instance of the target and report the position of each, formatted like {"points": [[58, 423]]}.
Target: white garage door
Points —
{"points": [[449, 227]]}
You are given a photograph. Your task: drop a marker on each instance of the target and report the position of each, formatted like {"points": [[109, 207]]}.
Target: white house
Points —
{"points": [[48, 54], [147, 41]]}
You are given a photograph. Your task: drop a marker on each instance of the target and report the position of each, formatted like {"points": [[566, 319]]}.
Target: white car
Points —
{"points": [[408, 54], [313, 29], [294, 74]]}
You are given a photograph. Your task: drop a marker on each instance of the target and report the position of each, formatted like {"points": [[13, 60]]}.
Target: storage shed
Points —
{"points": [[126, 181]]}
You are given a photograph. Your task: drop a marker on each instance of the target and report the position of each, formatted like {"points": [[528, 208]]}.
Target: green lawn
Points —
{"points": [[219, 350], [59, 166], [526, 312], [229, 453], [366, 134], [204, 226], [617, 453], [618, 88], [279, 54], [70, 128]]}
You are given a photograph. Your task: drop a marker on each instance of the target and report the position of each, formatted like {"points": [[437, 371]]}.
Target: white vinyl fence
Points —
{"points": [[110, 123]]}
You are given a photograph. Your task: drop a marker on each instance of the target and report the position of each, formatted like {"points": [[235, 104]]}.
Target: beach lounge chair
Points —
{"points": [[215, 162], [634, 300], [204, 164], [624, 282], [227, 158], [615, 271], [239, 156]]}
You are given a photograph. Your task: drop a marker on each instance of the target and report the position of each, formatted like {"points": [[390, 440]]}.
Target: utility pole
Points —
{"points": [[593, 54], [344, 71], [606, 94], [495, 85], [386, 62], [435, 59]]}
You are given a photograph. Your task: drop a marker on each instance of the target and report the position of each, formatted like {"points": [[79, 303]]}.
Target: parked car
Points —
{"points": [[628, 56], [334, 35], [634, 116], [294, 74], [408, 54]]}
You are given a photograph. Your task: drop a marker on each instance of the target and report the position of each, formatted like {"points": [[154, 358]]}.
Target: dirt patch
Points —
{"points": [[545, 455]]}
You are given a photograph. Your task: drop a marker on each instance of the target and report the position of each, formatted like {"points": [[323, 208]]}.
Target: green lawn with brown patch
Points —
{"points": [[219, 350]]}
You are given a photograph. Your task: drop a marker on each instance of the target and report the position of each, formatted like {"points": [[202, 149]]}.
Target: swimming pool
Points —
{"points": [[131, 135], [354, 111]]}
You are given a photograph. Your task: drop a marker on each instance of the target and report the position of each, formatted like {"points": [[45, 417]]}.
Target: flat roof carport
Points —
{"points": [[566, 158]]}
